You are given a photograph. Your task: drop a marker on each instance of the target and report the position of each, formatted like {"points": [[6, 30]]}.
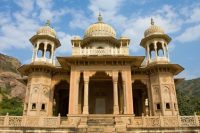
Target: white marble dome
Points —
{"points": [[100, 29]]}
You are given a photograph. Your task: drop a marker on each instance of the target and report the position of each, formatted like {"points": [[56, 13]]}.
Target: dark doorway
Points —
{"points": [[61, 98], [139, 96], [100, 94]]}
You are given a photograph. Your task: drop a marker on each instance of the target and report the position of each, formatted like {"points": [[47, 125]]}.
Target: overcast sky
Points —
{"points": [[20, 19]]}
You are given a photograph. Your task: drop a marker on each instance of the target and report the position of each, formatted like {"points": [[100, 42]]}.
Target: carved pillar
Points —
{"points": [[148, 53], [52, 53], [33, 55], [45, 49], [37, 47], [126, 77], [155, 48], [124, 92], [86, 91], [85, 105], [115, 93], [164, 49], [74, 88], [167, 50], [77, 93]]}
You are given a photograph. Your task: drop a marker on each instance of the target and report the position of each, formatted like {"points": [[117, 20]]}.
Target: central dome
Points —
{"points": [[100, 29]]}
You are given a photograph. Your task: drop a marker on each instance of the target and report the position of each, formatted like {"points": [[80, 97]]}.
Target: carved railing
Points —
{"points": [[165, 121], [99, 52], [130, 121]]}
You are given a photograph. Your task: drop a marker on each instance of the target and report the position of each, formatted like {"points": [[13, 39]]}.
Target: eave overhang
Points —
{"points": [[26, 69], [67, 62], [174, 68]]}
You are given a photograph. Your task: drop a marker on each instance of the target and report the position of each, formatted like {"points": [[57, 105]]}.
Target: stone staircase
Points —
{"points": [[101, 124]]}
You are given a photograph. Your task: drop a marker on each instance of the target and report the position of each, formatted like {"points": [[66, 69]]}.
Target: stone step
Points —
{"points": [[100, 124], [100, 121], [102, 130]]}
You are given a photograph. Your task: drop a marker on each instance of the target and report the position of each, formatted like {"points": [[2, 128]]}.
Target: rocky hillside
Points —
{"points": [[8, 63], [9, 84]]}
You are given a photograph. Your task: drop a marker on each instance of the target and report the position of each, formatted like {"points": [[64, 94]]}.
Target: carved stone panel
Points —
{"points": [[156, 93]]}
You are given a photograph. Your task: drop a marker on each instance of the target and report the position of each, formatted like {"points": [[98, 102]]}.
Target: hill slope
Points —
{"points": [[8, 63], [9, 76], [12, 91], [188, 95], [190, 87]]}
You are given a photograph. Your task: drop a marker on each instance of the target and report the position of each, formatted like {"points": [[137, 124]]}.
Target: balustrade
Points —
{"points": [[105, 51], [142, 122]]}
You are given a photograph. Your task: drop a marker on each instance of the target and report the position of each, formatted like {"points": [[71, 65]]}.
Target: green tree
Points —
{"points": [[188, 104], [13, 106]]}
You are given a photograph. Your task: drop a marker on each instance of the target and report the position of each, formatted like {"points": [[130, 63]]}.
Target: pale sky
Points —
{"points": [[20, 19]]}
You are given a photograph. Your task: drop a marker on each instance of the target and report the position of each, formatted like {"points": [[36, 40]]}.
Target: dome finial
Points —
{"points": [[152, 21], [48, 23], [100, 17]]}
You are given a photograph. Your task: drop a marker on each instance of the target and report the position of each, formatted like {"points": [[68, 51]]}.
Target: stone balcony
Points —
{"points": [[99, 52]]}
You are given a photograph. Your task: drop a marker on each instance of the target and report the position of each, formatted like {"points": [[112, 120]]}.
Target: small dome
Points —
{"points": [[47, 30], [153, 29], [124, 37], [100, 29], [76, 38]]}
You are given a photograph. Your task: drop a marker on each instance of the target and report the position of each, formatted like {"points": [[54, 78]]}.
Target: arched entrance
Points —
{"points": [[100, 94], [139, 96], [61, 98]]}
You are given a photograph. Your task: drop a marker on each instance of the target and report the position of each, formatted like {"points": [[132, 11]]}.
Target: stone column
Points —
{"points": [[164, 49], [73, 93], [86, 91], [115, 93], [167, 50], [155, 48], [77, 93], [33, 55], [45, 49], [148, 53], [52, 52], [37, 47], [126, 77], [85, 106], [124, 91]]}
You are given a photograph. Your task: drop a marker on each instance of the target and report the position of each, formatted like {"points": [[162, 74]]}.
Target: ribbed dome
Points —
{"points": [[47, 30], [100, 29], [76, 38], [124, 37], [153, 29]]}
